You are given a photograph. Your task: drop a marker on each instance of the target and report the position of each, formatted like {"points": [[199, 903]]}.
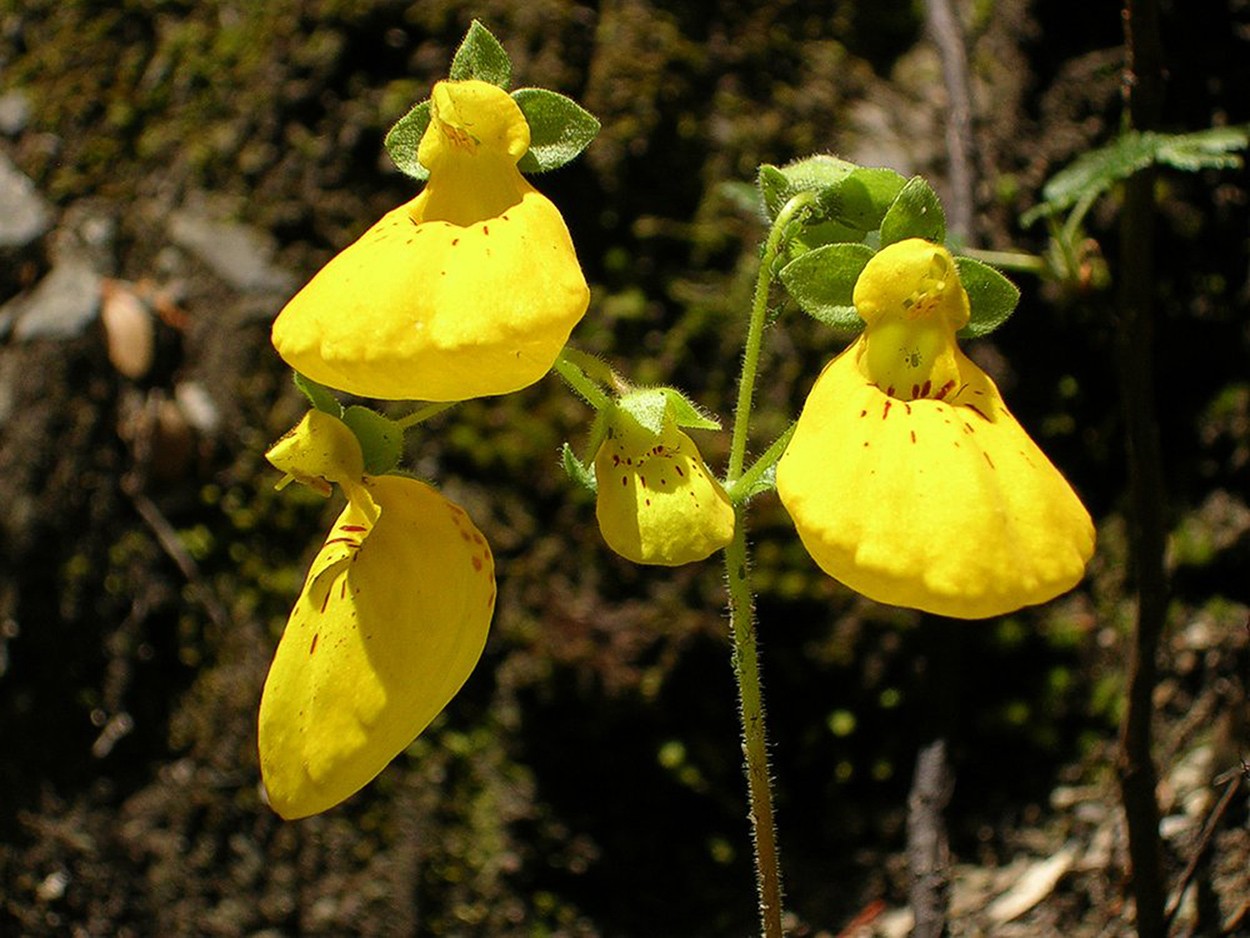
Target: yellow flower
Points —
{"points": [[656, 501], [391, 621], [907, 477], [470, 289]]}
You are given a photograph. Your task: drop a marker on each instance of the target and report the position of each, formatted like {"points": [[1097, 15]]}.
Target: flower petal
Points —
{"points": [[470, 289], [391, 621], [941, 503], [656, 501]]}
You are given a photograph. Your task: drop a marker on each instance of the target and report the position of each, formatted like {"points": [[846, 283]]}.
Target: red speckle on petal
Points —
{"points": [[885, 411], [978, 411], [913, 436], [988, 460], [485, 229], [313, 646], [477, 563]]}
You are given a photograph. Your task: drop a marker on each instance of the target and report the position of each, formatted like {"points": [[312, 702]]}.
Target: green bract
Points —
{"points": [[481, 56], [992, 297], [822, 280], [381, 438], [560, 129], [915, 213]]}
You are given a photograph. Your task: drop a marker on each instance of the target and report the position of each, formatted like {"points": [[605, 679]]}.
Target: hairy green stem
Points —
{"points": [[742, 600], [570, 367], [755, 332], [754, 736]]}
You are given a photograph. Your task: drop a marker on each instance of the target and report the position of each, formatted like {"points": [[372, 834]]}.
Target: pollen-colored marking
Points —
{"points": [[988, 460], [313, 646], [980, 413], [885, 411]]}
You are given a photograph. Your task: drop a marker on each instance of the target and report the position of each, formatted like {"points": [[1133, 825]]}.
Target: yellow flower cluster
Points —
{"points": [[470, 289], [908, 479]]}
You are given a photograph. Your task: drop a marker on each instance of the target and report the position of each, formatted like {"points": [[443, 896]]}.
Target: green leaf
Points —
{"points": [[404, 138], [1214, 148], [559, 128], [381, 438], [686, 413], [321, 397], [580, 473], [915, 212], [481, 56], [822, 282], [991, 295], [1095, 172]]}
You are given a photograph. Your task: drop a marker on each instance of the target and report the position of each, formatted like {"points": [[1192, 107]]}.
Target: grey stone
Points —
{"points": [[24, 216], [60, 306], [14, 113], [240, 255]]}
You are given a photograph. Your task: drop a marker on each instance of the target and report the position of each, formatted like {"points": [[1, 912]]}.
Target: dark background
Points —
{"points": [[587, 779]]}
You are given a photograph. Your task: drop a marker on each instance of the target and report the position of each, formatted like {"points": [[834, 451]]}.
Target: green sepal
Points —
{"points": [[321, 397], [381, 438], [560, 129], [481, 57], [991, 296], [404, 138], [854, 197], [916, 212], [652, 408], [686, 413], [578, 471], [822, 282]]}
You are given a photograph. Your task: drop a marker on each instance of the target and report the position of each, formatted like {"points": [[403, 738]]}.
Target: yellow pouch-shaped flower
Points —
{"points": [[392, 619], [656, 502], [908, 479], [470, 289]]}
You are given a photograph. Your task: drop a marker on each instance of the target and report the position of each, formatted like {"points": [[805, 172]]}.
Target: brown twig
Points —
{"points": [[1204, 844], [948, 36], [1134, 357]]}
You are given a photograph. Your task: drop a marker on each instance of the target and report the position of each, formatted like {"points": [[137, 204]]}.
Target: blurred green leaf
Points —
{"points": [[1093, 173]]}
